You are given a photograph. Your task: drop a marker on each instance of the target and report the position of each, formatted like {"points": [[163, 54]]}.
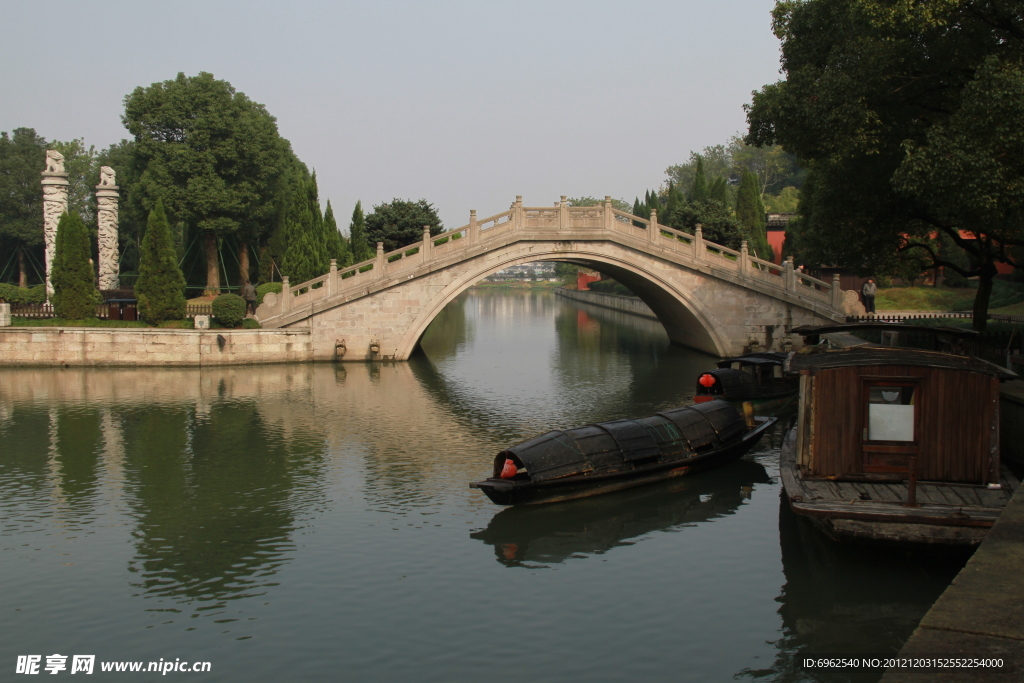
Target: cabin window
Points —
{"points": [[891, 413]]}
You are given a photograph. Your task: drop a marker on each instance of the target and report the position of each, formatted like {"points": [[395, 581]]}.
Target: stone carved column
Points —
{"points": [[106, 217], [55, 203]]}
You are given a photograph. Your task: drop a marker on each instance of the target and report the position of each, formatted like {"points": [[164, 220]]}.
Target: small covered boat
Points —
{"points": [[610, 456], [755, 378]]}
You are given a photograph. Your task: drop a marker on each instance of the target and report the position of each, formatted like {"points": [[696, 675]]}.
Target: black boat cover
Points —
{"points": [[624, 444]]}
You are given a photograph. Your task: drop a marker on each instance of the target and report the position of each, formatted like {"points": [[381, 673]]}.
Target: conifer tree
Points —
{"points": [[750, 214], [160, 288], [338, 247], [74, 286], [699, 191], [719, 191], [306, 255], [361, 249]]}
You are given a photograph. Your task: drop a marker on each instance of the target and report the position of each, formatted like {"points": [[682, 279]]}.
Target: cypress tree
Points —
{"points": [[338, 246], [160, 288], [699, 192], [305, 256], [361, 249], [750, 214], [74, 287], [718, 191]]}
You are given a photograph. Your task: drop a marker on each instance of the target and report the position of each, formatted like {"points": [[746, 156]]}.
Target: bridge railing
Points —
{"points": [[561, 216]]}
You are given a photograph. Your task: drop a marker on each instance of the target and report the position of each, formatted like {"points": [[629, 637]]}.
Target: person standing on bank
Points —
{"points": [[868, 292], [249, 294]]}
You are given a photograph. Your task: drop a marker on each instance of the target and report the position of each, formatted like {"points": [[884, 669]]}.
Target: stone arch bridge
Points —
{"points": [[708, 297]]}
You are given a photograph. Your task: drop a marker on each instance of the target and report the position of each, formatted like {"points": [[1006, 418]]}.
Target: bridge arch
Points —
{"points": [[684, 318], [706, 295]]}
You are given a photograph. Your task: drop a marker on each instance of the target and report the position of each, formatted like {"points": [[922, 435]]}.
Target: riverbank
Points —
{"points": [[617, 302], [88, 346], [980, 615]]}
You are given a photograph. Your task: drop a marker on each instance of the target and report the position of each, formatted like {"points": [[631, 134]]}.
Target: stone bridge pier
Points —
{"points": [[707, 296]]}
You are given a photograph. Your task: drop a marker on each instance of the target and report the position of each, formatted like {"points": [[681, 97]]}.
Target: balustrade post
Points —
{"points": [[837, 292], [332, 278], [609, 218], [563, 213], [790, 276], [653, 231], [428, 244], [698, 243], [286, 295], [518, 220], [378, 264], [744, 259], [474, 228]]}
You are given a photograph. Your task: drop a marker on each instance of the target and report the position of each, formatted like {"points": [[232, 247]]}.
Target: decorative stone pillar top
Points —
{"points": [[55, 203]]}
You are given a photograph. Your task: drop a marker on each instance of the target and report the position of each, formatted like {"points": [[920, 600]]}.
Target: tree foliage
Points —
{"points": [[160, 288], [907, 117], [751, 215], [71, 274], [210, 153], [22, 157], [360, 247], [400, 222]]}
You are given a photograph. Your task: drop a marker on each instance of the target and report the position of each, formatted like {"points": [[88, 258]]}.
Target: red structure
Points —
{"points": [[584, 279]]}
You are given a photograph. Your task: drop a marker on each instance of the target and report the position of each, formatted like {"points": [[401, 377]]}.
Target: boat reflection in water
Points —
{"points": [[842, 599], [553, 533]]}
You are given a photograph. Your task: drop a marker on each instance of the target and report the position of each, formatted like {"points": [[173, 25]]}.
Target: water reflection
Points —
{"points": [[549, 534], [847, 599], [212, 498]]}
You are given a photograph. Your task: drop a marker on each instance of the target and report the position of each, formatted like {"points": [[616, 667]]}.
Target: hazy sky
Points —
{"points": [[465, 104]]}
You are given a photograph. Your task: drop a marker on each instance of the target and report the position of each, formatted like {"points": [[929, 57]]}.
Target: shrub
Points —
{"points": [[36, 295], [74, 291], [274, 287], [229, 309], [12, 294], [160, 287]]}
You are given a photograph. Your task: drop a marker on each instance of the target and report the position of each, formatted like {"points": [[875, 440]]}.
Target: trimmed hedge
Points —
{"points": [[12, 294], [274, 287], [229, 310]]}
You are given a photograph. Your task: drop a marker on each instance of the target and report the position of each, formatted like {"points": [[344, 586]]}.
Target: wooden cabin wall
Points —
{"points": [[954, 430]]}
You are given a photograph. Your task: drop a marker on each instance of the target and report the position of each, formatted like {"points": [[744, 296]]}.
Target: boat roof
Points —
{"points": [[763, 358], [814, 330], [888, 355]]}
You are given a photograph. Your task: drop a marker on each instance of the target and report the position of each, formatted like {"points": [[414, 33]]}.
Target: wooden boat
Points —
{"points": [[546, 535], [755, 378], [611, 456], [897, 445]]}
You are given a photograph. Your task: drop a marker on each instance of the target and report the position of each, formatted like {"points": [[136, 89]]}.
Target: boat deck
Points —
{"points": [[877, 509]]}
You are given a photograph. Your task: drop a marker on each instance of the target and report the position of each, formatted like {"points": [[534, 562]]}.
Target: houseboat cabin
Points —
{"points": [[874, 412], [897, 444]]}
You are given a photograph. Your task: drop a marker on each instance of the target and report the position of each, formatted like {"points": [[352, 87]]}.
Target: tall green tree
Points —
{"points": [[338, 247], [750, 214], [905, 115], [400, 222], [360, 246], [306, 255], [211, 154], [699, 189], [22, 158], [71, 273], [160, 288]]}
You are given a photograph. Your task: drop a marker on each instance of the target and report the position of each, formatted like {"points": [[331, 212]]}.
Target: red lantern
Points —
{"points": [[707, 381], [509, 470]]}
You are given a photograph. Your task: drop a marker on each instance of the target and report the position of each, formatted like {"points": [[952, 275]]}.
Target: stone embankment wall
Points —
{"points": [[59, 346], [627, 304]]}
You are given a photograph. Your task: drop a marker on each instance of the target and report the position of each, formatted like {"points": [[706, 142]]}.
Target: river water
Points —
{"points": [[314, 522]]}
